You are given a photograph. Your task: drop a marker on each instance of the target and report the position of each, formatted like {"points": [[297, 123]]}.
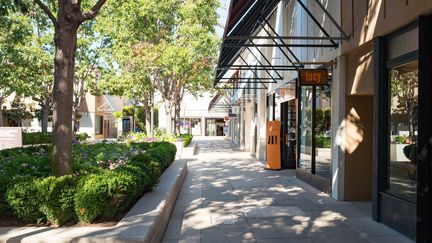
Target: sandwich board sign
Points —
{"points": [[10, 137]]}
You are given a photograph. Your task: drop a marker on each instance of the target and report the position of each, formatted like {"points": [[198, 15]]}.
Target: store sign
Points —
{"points": [[10, 137], [308, 77]]}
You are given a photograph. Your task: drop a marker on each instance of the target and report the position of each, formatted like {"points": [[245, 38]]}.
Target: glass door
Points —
{"points": [[398, 130]]}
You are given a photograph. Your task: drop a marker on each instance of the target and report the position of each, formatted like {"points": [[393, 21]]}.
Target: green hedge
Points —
{"points": [[32, 138], [187, 139], [107, 179]]}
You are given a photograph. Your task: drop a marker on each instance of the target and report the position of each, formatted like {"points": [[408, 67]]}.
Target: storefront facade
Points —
{"points": [[365, 134]]}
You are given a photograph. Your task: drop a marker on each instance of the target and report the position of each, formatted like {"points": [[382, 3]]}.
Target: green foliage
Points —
{"points": [[400, 139], [323, 120], [56, 196], [104, 195], [108, 179], [37, 138], [322, 141], [82, 136], [187, 139], [23, 198]]}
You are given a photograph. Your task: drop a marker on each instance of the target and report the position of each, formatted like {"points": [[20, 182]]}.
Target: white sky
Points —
{"points": [[223, 12]]}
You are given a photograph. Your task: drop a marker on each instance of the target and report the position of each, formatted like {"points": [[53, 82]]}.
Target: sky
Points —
{"points": [[222, 11]]}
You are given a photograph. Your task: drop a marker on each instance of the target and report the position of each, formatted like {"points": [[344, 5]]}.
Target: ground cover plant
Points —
{"points": [[143, 137], [33, 138], [107, 180]]}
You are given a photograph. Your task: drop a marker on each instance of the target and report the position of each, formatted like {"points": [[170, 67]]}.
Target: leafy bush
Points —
{"points": [[23, 198], [104, 195], [56, 198], [323, 141], [82, 136], [107, 179], [33, 138], [187, 139], [400, 139]]}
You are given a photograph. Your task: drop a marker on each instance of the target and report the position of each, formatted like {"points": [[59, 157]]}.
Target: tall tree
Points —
{"points": [[15, 33], [135, 47], [70, 16], [176, 42]]}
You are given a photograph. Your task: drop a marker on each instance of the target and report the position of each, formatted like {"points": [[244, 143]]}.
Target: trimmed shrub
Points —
{"points": [[107, 179], [81, 136], [152, 168], [104, 195], [56, 195], [31, 138], [4, 181], [23, 198], [187, 139]]}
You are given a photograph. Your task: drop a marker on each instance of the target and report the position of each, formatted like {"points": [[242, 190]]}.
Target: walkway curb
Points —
{"points": [[145, 222]]}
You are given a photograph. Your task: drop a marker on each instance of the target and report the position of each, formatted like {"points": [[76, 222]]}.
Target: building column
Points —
{"points": [[252, 127], [242, 120], [203, 126], [337, 126], [261, 133]]}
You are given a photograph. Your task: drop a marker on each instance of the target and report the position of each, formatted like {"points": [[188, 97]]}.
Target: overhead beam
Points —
{"points": [[280, 45], [286, 38], [316, 21], [258, 68]]}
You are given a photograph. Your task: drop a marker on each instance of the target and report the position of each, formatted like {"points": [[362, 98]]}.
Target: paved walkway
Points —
{"points": [[229, 197]]}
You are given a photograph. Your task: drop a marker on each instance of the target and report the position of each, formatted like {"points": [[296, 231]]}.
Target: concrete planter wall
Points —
{"points": [[179, 146], [396, 153], [323, 152]]}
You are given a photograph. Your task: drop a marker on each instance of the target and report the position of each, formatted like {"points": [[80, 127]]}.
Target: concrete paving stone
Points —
{"points": [[223, 181], [368, 227], [272, 211], [304, 204], [335, 234], [286, 240], [388, 239], [278, 227], [229, 235], [173, 230]]}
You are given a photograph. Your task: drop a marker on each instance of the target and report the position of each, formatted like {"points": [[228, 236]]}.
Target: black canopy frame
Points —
{"points": [[241, 37]]}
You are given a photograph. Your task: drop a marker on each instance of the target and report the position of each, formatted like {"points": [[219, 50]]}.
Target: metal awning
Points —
{"points": [[245, 19]]}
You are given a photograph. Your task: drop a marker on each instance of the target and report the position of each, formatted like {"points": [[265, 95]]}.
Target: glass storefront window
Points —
{"points": [[98, 124], [403, 131], [323, 132], [305, 131]]}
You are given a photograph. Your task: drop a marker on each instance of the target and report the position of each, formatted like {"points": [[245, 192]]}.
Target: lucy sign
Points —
{"points": [[313, 77], [10, 137]]}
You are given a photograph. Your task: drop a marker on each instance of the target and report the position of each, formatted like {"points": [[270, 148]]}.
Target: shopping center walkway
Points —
{"points": [[229, 197]]}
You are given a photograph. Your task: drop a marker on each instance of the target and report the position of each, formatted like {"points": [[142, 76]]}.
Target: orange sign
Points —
{"points": [[273, 145], [313, 77]]}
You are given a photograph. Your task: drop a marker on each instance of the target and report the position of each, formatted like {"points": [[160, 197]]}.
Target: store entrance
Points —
{"points": [[288, 130]]}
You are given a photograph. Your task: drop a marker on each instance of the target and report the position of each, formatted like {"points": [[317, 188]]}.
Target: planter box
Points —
{"points": [[396, 153], [179, 146], [145, 222], [323, 152]]}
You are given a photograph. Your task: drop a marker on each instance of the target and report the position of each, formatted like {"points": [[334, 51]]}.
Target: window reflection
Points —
{"points": [[401, 172], [323, 132], [305, 160]]}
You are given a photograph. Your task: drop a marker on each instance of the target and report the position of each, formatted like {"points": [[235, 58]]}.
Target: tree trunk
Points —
{"points": [[66, 40], [45, 115], [1, 111], [147, 112], [1, 116], [177, 118], [168, 110]]}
